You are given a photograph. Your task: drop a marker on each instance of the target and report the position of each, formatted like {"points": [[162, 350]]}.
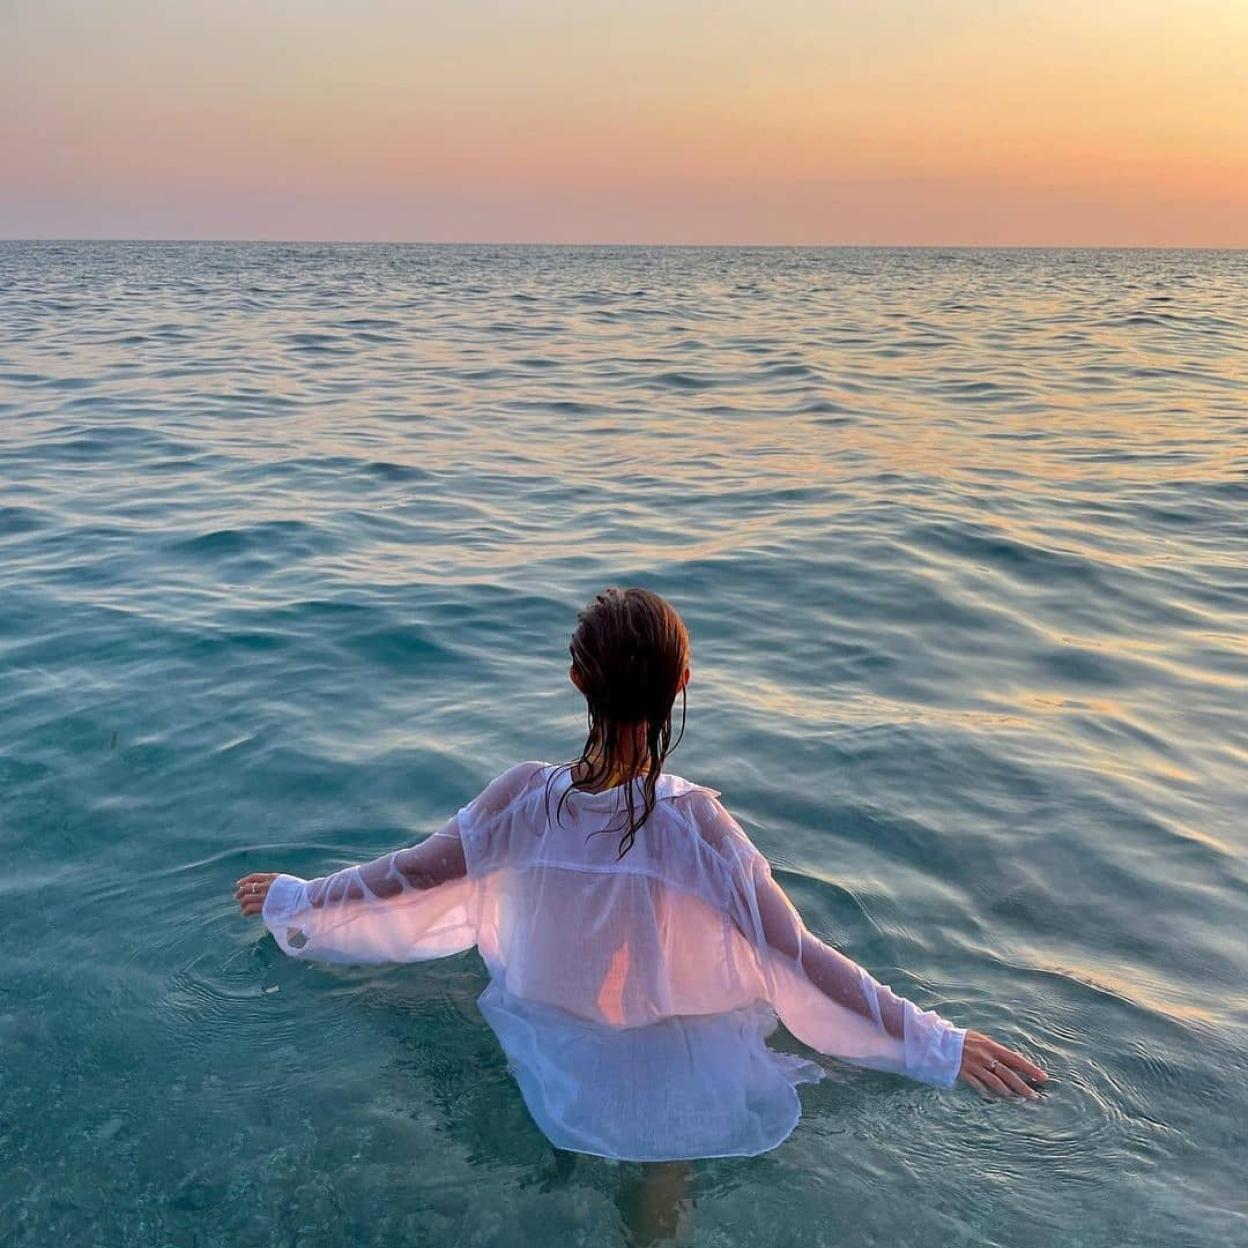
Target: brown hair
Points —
{"points": [[630, 650]]}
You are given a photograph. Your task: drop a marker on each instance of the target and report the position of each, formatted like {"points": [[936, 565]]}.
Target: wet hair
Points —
{"points": [[630, 650]]}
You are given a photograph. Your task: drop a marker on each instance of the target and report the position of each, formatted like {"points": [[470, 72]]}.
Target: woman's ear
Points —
{"points": [[575, 677], [684, 680]]}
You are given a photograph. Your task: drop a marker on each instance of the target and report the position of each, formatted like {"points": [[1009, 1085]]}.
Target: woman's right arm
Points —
{"points": [[833, 1004], [929, 1047]]}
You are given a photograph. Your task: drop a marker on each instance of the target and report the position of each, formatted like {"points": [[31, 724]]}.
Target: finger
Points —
{"points": [[1016, 1061], [1015, 1084], [975, 1083], [994, 1085]]}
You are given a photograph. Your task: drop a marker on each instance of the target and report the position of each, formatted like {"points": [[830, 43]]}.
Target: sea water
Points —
{"points": [[292, 540]]}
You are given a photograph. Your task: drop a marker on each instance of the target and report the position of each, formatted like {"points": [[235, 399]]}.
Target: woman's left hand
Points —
{"points": [[251, 891]]}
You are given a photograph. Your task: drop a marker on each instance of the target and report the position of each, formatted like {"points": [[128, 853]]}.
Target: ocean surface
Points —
{"points": [[292, 540]]}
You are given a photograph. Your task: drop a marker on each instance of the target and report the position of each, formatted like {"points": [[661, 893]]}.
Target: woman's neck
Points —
{"points": [[631, 757]]}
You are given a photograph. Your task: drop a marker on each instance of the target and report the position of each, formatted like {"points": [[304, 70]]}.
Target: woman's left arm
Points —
{"points": [[406, 906]]}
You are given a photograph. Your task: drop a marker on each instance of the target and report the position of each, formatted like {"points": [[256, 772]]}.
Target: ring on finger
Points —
{"points": [[992, 1065]]}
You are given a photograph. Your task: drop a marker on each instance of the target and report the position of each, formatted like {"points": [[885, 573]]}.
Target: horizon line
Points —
{"points": [[806, 246]]}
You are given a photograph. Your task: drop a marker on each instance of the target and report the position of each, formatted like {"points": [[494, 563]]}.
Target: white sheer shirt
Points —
{"points": [[632, 996]]}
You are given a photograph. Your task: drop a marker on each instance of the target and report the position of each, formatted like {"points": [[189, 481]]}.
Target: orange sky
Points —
{"points": [[781, 121]]}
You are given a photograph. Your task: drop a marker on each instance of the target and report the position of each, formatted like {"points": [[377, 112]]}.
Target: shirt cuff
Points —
{"points": [[287, 895], [936, 1058]]}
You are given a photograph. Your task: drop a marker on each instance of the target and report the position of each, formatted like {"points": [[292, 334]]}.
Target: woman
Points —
{"points": [[639, 950]]}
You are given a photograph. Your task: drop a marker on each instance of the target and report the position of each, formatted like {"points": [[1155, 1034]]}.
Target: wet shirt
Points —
{"points": [[632, 996]]}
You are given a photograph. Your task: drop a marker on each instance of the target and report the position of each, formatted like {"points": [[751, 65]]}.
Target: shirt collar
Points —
{"points": [[667, 785]]}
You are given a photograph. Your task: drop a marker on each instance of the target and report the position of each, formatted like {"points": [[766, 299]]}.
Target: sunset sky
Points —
{"points": [[776, 121]]}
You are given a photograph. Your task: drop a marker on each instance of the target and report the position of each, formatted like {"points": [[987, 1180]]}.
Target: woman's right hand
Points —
{"points": [[994, 1070]]}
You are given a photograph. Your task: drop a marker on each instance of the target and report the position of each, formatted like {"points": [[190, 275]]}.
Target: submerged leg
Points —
{"points": [[557, 1170], [652, 1209], [565, 1163]]}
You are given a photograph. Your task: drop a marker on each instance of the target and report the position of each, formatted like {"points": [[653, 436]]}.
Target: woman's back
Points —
{"points": [[629, 1032], [621, 941]]}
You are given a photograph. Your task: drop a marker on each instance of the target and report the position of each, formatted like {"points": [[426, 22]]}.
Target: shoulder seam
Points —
{"points": [[693, 788], [525, 793], [726, 856]]}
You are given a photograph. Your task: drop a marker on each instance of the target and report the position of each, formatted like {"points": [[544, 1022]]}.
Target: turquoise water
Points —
{"points": [[291, 543]]}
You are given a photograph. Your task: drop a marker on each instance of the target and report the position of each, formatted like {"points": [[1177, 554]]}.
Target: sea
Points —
{"points": [[292, 542]]}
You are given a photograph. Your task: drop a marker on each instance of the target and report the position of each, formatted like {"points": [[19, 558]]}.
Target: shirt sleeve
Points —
{"points": [[407, 906], [823, 997], [411, 905]]}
